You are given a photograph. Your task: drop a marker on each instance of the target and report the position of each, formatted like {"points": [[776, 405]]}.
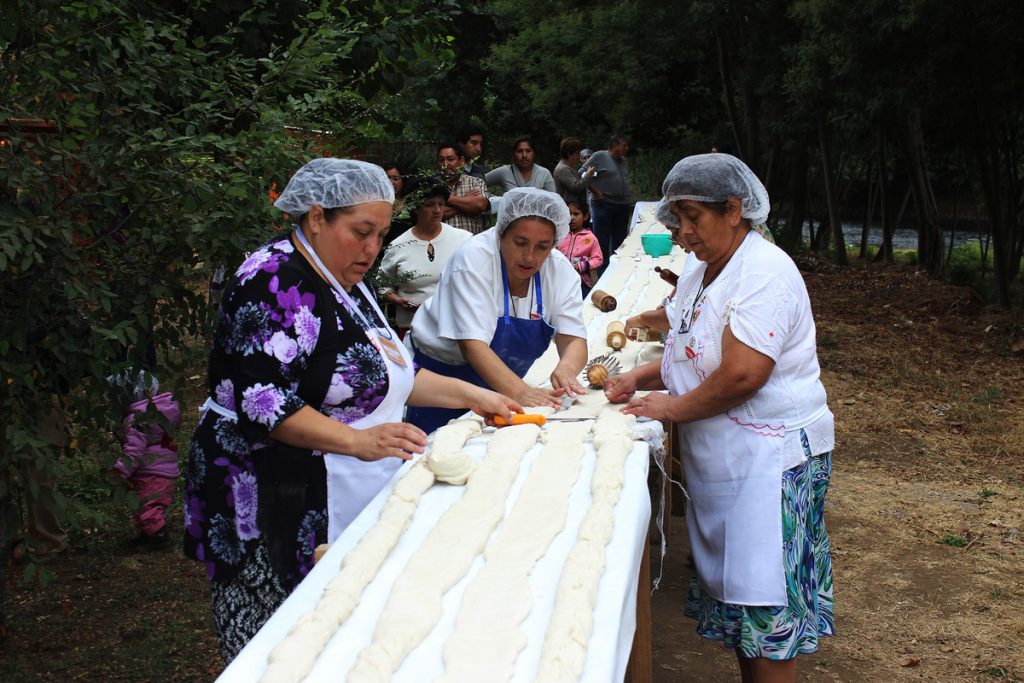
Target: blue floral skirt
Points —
{"points": [[787, 631]]}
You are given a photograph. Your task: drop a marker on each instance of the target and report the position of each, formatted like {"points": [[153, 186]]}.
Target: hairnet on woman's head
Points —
{"points": [[663, 214], [715, 178], [521, 202], [334, 183]]}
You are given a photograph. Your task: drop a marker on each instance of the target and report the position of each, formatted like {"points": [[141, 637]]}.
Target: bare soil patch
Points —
{"points": [[925, 514]]}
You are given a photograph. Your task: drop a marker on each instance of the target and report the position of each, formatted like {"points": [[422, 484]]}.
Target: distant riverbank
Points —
{"points": [[903, 238]]}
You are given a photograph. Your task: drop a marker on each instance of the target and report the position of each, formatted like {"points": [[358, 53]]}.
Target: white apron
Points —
{"points": [[352, 483], [733, 469]]}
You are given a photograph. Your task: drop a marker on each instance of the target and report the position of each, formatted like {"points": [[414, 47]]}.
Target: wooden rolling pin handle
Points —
{"points": [[603, 300], [667, 275], [616, 338]]}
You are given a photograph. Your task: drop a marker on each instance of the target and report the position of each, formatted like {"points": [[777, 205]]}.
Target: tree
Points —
{"points": [[139, 147]]}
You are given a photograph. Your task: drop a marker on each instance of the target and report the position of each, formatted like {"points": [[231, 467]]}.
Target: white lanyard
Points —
{"points": [[337, 285]]}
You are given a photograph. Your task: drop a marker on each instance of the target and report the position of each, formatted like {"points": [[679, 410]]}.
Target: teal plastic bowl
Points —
{"points": [[656, 244]]}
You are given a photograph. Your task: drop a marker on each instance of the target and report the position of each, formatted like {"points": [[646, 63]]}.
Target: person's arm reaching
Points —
{"points": [[309, 428], [432, 389], [741, 375], [572, 354], [498, 375]]}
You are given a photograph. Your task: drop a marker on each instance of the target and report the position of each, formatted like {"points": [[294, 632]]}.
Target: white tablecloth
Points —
{"points": [[615, 613]]}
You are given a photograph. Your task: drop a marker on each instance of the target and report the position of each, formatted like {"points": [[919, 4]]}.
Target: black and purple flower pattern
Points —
{"points": [[270, 326]]}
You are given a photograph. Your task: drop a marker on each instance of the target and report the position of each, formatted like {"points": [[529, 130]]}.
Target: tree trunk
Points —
{"points": [[831, 201], [956, 213], [866, 229], [725, 71], [884, 199], [930, 251], [1002, 226], [793, 233]]}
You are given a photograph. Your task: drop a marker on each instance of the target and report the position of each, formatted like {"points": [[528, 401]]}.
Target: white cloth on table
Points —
{"points": [[470, 298]]}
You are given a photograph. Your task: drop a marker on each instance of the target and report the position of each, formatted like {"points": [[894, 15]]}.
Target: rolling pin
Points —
{"points": [[667, 275], [603, 300], [616, 334]]}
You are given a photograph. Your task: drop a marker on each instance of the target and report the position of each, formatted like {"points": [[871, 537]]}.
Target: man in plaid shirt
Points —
{"points": [[469, 198]]}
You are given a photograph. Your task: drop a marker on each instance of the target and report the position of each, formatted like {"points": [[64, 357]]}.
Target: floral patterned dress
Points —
{"points": [[284, 339]]}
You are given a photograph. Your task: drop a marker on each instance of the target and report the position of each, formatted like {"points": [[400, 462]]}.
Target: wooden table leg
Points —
{"points": [[670, 438], [640, 668]]}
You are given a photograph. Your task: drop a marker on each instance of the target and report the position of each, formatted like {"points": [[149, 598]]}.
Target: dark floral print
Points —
{"points": [[275, 351]]}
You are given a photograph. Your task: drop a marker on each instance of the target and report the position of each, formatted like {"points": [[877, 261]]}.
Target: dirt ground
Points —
{"points": [[924, 511]]}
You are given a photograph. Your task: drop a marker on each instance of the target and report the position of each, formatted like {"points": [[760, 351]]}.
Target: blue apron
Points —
{"points": [[517, 341]]}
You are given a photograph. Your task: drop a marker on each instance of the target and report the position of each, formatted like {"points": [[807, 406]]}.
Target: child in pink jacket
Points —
{"points": [[149, 460], [581, 246]]}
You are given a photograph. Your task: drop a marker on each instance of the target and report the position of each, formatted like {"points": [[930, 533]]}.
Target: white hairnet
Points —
{"points": [[334, 183], [530, 201], [714, 178], [663, 214]]}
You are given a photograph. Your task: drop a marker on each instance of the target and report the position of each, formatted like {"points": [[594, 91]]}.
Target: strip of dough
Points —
{"points": [[414, 606], [293, 658], [565, 644], [486, 639]]}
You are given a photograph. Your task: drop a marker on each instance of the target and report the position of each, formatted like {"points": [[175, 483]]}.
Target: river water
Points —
{"points": [[903, 238]]}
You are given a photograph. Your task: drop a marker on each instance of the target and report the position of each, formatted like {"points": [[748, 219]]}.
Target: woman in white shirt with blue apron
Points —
{"points": [[503, 296], [755, 431]]}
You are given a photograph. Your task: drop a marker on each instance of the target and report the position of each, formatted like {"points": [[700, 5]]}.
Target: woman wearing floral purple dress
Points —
{"points": [[307, 384]]}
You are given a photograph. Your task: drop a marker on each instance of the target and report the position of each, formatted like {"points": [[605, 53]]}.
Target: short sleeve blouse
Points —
{"points": [[470, 298]]}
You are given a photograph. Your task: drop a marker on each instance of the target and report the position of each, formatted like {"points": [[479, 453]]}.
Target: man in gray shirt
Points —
{"points": [[612, 205]]}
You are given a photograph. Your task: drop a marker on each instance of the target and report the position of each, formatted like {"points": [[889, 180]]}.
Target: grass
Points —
{"points": [[955, 541], [996, 672], [991, 394]]}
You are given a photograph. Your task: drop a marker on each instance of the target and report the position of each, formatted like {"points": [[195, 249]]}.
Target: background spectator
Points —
{"points": [[522, 172], [416, 258], [569, 183]]}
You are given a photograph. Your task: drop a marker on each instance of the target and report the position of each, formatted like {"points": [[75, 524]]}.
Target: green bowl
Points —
{"points": [[656, 244]]}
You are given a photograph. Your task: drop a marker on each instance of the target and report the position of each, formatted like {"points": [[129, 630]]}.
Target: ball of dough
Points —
{"points": [[451, 467]]}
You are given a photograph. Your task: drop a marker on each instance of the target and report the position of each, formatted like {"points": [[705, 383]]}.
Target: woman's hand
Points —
{"points": [[634, 324], [487, 404], [391, 439], [399, 300], [620, 388], [656, 405], [568, 382], [532, 396]]}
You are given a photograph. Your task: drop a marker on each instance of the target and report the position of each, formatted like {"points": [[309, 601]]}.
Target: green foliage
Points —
{"points": [[140, 146], [953, 540], [592, 70]]}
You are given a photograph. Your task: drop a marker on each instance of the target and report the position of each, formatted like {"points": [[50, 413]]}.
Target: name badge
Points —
{"points": [[390, 349]]}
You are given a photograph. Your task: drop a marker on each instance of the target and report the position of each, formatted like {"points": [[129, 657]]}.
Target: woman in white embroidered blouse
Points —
{"points": [[755, 431]]}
